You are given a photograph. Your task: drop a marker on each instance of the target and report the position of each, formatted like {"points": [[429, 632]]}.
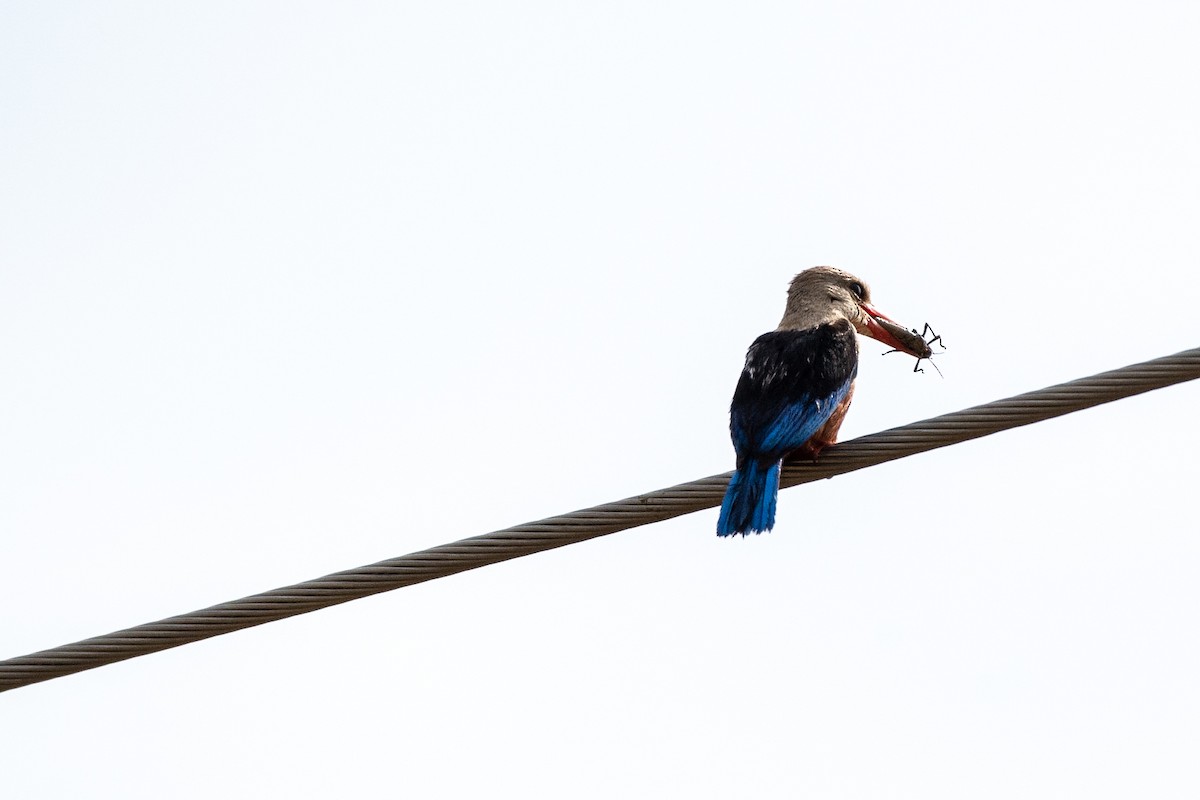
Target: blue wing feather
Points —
{"points": [[796, 423]]}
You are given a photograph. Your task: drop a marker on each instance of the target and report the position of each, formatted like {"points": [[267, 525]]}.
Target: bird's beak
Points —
{"points": [[880, 326]]}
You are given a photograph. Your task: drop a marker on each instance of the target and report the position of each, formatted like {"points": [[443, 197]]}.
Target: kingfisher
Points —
{"points": [[796, 387]]}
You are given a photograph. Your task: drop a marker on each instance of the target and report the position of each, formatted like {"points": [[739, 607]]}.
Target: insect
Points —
{"points": [[917, 341]]}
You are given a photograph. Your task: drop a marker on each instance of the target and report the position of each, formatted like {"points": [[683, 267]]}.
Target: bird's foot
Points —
{"points": [[812, 449]]}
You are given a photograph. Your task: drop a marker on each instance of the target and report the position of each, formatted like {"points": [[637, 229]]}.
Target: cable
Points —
{"points": [[578, 526]]}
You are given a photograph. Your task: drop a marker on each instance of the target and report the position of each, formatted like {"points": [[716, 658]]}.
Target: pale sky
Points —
{"points": [[289, 288]]}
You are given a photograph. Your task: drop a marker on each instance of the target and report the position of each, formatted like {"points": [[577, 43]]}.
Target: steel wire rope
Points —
{"points": [[578, 526]]}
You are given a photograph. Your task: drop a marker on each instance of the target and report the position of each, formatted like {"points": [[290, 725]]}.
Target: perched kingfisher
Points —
{"points": [[796, 387]]}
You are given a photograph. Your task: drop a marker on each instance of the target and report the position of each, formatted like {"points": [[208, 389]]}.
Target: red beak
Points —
{"points": [[883, 328]]}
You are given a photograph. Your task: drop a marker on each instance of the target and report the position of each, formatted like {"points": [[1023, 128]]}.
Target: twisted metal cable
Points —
{"points": [[578, 526]]}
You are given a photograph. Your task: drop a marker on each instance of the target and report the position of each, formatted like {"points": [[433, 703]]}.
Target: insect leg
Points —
{"points": [[930, 331]]}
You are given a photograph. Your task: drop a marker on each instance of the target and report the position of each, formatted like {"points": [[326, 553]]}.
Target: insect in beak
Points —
{"points": [[923, 346]]}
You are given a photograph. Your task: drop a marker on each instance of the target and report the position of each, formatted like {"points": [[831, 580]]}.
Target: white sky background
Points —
{"points": [[287, 289]]}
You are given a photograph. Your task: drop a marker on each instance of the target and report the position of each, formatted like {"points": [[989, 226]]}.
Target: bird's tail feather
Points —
{"points": [[749, 504]]}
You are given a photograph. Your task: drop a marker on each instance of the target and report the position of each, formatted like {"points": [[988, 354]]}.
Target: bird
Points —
{"points": [[796, 387]]}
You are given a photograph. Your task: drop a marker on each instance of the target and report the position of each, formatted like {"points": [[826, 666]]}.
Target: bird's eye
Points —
{"points": [[858, 290]]}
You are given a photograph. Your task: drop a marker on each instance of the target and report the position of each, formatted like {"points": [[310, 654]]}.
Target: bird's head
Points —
{"points": [[826, 294]]}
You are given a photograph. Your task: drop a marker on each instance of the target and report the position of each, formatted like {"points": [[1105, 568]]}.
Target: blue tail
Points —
{"points": [[749, 504]]}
